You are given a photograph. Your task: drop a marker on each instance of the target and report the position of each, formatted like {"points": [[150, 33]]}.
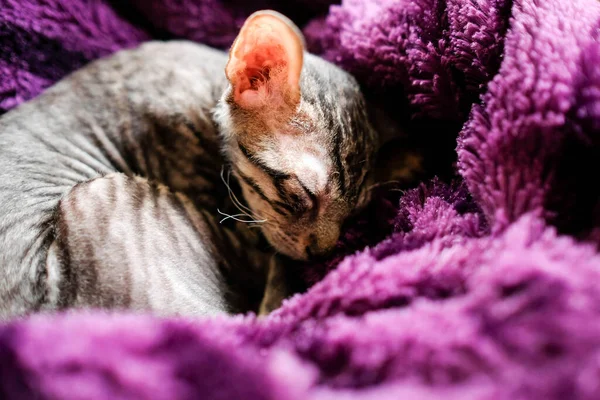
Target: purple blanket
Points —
{"points": [[486, 288]]}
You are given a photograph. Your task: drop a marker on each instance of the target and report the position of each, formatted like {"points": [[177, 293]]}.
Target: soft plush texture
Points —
{"points": [[487, 287]]}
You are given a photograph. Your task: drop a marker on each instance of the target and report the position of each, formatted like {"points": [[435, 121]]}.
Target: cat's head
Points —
{"points": [[297, 135]]}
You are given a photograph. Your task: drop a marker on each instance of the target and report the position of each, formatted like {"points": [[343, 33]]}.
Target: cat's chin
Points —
{"points": [[298, 255], [303, 253], [282, 247]]}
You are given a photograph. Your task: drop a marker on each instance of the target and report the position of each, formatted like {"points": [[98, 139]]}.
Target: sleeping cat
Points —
{"points": [[113, 185]]}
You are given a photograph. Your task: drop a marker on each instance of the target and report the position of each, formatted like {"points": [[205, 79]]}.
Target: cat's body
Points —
{"points": [[111, 181], [67, 166]]}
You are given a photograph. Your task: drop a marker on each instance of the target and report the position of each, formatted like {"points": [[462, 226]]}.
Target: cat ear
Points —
{"points": [[265, 61]]}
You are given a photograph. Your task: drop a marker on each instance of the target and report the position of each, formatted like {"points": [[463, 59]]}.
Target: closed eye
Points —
{"points": [[289, 203], [292, 202], [297, 197], [310, 199]]}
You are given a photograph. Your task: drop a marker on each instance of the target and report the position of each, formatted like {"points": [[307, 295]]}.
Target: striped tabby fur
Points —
{"points": [[111, 184]]}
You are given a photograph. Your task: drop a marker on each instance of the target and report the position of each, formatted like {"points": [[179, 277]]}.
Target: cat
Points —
{"points": [[119, 184]]}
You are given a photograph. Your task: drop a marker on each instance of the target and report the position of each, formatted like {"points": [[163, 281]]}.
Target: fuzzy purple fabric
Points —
{"points": [[41, 41], [484, 288]]}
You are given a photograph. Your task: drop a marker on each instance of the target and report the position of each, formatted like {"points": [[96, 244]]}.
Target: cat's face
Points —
{"points": [[297, 135]]}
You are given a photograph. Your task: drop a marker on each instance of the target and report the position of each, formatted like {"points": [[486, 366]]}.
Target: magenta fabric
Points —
{"points": [[483, 288]]}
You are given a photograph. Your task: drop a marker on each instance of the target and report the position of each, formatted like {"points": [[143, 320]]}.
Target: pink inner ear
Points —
{"points": [[265, 63]]}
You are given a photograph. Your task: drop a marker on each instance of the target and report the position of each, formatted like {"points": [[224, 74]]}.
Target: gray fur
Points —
{"points": [[110, 183]]}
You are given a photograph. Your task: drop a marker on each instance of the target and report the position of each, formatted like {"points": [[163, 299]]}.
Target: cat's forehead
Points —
{"points": [[298, 155]]}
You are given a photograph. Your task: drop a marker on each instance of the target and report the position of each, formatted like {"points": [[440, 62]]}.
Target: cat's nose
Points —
{"points": [[323, 244]]}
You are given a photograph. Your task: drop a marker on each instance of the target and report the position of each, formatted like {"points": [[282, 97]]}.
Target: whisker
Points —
{"points": [[236, 202], [261, 223], [235, 217], [234, 197]]}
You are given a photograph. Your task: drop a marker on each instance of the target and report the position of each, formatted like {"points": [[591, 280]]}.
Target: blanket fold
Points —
{"points": [[487, 287]]}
